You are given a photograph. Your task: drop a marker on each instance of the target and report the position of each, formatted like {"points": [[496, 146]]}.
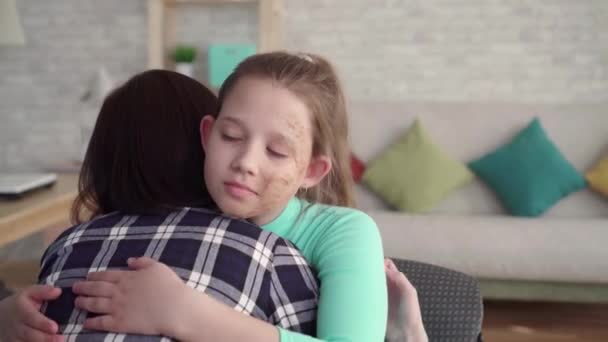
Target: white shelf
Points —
{"points": [[161, 26]]}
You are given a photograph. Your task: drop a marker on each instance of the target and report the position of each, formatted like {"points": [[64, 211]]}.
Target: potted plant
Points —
{"points": [[184, 56]]}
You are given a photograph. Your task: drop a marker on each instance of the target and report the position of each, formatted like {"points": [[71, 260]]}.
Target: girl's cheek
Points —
{"points": [[278, 186], [277, 189]]}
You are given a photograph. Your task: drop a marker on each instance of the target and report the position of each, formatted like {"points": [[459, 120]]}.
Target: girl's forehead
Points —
{"points": [[259, 103], [265, 93], [278, 125]]}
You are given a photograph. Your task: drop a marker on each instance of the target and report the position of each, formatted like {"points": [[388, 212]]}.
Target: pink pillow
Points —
{"points": [[357, 167]]}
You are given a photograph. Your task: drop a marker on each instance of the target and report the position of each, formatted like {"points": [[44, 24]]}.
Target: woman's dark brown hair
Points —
{"points": [[145, 153]]}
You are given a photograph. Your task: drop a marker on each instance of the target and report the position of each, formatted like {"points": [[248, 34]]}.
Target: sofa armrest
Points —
{"points": [[450, 301]]}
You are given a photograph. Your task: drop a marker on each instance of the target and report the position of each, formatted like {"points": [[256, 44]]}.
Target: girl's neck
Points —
{"points": [[268, 216]]}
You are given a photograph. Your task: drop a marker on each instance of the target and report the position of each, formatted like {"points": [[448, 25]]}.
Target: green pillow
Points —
{"points": [[414, 174], [529, 174]]}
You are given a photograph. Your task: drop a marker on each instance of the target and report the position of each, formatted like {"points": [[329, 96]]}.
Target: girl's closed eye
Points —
{"points": [[276, 154], [231, 137]]}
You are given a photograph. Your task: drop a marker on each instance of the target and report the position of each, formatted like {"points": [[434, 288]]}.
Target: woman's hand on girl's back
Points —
{"points": [[21, 319], [137, 302]]}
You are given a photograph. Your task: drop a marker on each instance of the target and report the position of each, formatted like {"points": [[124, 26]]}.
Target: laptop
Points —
{"points": [[16, 184]]}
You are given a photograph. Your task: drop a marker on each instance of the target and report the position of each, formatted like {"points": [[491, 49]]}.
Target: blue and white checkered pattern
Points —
{"points": [[251, 270]]}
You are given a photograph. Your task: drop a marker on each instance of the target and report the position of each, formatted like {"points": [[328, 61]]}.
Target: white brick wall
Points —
{"points": [[41, 83], [460, 50], [410, 50]]}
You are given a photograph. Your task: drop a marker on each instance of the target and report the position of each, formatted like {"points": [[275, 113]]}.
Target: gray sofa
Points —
{"points": [[560, 256]]}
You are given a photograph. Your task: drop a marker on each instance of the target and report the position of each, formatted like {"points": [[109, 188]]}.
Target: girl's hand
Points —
{"points": [[404, 317], [21, 319], [142, 301]]}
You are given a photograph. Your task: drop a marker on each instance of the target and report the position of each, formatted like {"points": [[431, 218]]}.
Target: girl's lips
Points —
{"points": [[238, 190]]}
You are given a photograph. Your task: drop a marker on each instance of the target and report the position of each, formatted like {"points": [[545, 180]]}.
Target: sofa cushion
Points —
{"points": [[413, 174], [500, 247], [598, 177], [529, 174]]}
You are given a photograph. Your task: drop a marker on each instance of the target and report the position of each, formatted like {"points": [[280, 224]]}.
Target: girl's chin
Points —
{"points": [[235, 211]]}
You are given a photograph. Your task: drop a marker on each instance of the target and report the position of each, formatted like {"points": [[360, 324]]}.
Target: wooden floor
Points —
{"points": [[545, 322], [503, 322]]}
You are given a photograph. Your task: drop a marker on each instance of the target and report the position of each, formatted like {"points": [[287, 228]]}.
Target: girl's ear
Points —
{"points": [[205, 128], [317, 169]]}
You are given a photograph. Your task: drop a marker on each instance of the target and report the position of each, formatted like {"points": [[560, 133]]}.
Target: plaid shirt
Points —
{"points": [[251, 270]]}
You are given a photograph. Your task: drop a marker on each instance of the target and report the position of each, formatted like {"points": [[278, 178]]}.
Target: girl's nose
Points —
{"points": [[245, 162]]}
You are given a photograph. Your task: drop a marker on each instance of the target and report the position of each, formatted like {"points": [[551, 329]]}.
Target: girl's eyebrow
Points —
{"points": [[277, 137], [283, 139], [231, 119]]}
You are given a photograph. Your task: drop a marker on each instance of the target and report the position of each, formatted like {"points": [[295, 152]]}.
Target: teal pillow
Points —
{"points": [[414, 174], [529, 174]]}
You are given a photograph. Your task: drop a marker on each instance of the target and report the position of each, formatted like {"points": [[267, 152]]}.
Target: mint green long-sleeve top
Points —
{"points": [[344, 247]]}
